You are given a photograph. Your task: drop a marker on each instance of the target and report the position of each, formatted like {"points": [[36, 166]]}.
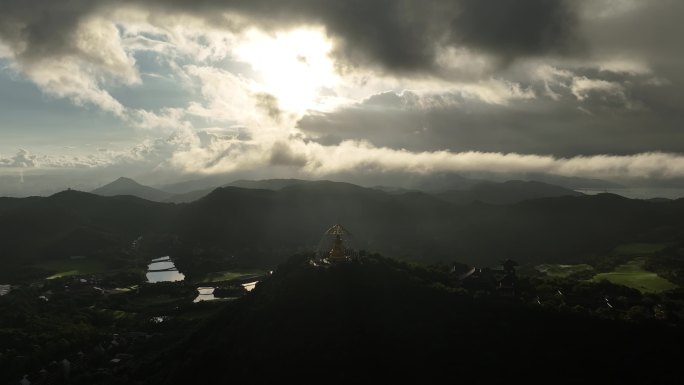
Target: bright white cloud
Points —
{"points": [[81, 74], [625, 66], [67, 78], [359, 156], [23, 159], [187, 152], [175, 34], [99, 44], [227, 97], [645, 165], [582, 87], [497, 91], [166, 119]]}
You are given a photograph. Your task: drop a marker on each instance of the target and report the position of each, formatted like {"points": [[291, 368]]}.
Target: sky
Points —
{"points": [[169, 90]]}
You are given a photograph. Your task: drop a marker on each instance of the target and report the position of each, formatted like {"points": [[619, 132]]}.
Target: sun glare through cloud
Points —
{"points": [[294, 66]]}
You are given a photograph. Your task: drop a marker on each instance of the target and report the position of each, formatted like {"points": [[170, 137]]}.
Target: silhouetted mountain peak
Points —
{"points": [[609, 197], [121, 182], [70, 193], [128, 186], [125, 181]]}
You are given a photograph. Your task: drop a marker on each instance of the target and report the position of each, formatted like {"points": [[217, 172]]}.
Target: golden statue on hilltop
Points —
{"points": [[334, 246], [337, 253]]}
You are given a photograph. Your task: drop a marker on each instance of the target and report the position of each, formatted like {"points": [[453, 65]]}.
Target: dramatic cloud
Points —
{"points": [[188, 153], [582, 87], [167, 118], [21, 159], [66, 51], [185, 151], [24, 160], [513, 29], [318, 88], [282, 154], [565, 116], [396, 35], [360, 156]]}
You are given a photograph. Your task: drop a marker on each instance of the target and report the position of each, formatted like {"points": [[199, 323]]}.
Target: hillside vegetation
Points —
{"points": [[259, 228]]}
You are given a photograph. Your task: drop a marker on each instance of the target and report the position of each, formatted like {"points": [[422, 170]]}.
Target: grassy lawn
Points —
{"points": [[562, 271], [117, 314], [633, 275], [230, 275], [639, 248], [68, 267]]}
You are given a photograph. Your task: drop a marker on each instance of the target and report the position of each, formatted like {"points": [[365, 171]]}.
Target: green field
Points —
{"points": [[639, 248], [230, 275], [562, 271], [632, 274], [68, 267]]}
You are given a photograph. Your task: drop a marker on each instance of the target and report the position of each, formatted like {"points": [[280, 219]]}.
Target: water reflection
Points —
{"points": [[163, 270], [250, 286], [205, 294]]}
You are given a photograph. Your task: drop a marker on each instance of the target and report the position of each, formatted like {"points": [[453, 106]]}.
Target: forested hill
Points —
{"points": [[267, 225], [127, 186], [76, 223], [383, 321]]}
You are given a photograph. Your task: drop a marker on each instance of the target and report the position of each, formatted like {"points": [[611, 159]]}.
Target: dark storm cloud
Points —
{"points": [[42, 28], [396, 35], [652, 33], [604, 122], [282, 155], [516, 28]]}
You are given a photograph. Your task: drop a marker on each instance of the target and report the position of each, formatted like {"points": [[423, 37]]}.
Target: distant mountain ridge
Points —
{"points": [[512, 191], [127, 186], [468, 191], [461, 191], [259, 226], [265, 184]]}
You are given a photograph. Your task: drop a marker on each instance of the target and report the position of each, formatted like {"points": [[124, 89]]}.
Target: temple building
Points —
{"points": [[503, 279], [334, 246]]}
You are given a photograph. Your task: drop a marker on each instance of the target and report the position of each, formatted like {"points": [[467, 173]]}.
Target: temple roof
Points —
{"points": [[337, 230]]}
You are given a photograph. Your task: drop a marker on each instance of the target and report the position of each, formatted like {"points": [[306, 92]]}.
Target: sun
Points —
{"points": [[294, 66]]}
